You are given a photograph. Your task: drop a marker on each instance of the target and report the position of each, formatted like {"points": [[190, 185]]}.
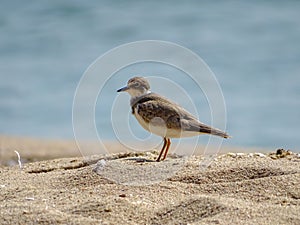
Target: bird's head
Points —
{"points": [[136, 87]]}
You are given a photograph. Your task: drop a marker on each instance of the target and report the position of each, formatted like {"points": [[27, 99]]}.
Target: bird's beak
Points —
{"points": [[123, 89]]}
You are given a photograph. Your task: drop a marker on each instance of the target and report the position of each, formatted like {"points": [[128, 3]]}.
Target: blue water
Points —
{"points": [[251, 46]]}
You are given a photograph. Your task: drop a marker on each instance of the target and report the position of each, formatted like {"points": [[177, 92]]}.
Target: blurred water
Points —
{"points": [[252, 47]]}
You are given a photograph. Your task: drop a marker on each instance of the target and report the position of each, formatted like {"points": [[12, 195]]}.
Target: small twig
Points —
{"points": [[19, 159]]}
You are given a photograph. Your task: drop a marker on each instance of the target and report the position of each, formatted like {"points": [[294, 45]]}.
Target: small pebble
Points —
{"points": [[99, 165], [260, 154], [231, 154]]}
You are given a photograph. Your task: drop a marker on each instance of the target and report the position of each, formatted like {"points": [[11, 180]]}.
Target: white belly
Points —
{"points": [[160, 129]]}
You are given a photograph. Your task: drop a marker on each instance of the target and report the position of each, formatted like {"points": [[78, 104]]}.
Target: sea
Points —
{"points": [[252, 49]]}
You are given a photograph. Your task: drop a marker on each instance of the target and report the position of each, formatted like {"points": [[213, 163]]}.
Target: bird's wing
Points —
{"points": [[151, 110], [173, 115]]}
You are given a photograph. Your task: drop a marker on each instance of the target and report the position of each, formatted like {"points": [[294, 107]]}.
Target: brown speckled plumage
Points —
{"points": [[153, 109], [153, 105]]}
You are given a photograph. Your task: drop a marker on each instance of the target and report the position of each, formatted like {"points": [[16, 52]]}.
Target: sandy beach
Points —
{"points": [[131, 188]]}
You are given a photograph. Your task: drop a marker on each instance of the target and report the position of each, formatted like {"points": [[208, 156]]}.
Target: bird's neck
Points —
{"points": [[136, 98], [138, 93]]}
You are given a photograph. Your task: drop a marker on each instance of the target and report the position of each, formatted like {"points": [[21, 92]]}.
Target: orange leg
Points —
{"points": [[167, 148], [162, 150]]}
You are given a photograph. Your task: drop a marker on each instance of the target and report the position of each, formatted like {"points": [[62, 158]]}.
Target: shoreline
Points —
{"points": [[36, 149]]}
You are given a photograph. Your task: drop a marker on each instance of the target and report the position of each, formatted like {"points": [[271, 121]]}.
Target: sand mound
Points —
{"points": [[249, 189]]}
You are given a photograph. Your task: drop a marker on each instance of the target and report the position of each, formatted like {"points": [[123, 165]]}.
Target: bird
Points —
{"points": [[163, 117]]}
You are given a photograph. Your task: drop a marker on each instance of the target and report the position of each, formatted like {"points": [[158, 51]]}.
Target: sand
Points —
{"points": [[131, 188]]}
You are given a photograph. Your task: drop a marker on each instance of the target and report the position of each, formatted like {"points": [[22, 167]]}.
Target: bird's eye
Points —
{"points": [[137, 84]]}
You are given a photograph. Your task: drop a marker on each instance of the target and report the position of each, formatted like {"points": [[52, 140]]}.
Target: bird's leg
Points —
{"points": [[167, 148], [162, 150]]}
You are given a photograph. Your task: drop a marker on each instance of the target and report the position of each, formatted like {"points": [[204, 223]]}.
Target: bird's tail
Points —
{"points": [[219, 133], [205, 129], [209, 130]]}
